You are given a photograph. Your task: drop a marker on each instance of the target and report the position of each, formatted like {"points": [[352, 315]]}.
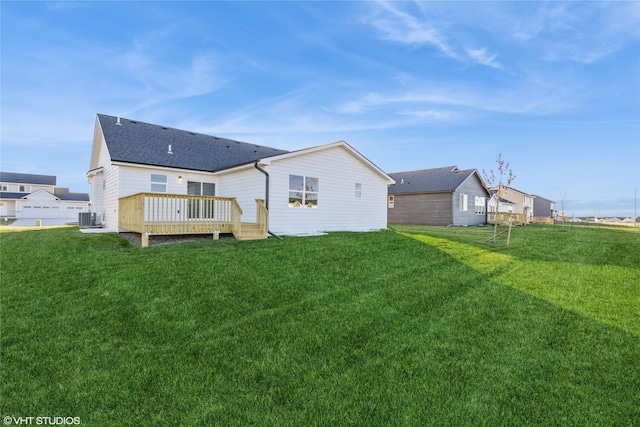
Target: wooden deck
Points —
{"points": [[504, 218], [166, 214]]}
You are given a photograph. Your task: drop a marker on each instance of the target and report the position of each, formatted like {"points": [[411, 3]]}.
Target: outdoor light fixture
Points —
{"points": [[180, 179]]}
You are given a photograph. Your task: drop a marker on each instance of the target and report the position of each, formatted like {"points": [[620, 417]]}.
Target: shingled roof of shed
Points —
{"points": [[132, 141], [436, 180]]}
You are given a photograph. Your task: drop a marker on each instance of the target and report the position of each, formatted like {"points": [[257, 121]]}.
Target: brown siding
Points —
{"points": [[423, 209]]}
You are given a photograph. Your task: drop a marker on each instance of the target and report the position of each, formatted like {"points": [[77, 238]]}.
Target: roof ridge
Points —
{"points": [[119, 119]]}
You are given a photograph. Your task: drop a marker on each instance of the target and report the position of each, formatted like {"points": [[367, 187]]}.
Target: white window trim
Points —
{"points": [[480, 205], [304, 192], [464, 202]]}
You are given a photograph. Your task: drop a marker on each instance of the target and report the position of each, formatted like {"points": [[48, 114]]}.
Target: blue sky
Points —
{"points": [[552, 86]]}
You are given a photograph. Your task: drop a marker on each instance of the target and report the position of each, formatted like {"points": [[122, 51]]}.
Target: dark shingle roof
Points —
{"points": [[435, 180], [11, 195], [137, 142], [27, 178], [76, 197]]}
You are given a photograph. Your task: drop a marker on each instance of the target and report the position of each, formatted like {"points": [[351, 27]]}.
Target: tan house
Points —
{"points": [[513, 201]]}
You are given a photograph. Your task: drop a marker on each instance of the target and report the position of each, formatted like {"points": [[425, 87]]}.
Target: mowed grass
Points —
{"points": [[422, 326]]}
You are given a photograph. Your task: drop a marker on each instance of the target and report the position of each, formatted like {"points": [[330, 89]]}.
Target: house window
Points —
{"points": [[464, 202], [24, 189], [201, 188], [201, 208], [303, 192], [3, 187], [391, 202], [480, 206], [158, 183], [358, 191]]}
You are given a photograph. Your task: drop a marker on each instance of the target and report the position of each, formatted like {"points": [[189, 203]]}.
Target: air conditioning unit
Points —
{"points": [[87, 219]]}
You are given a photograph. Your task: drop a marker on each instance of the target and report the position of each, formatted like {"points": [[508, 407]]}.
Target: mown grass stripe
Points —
{"points": [[348, 328]]}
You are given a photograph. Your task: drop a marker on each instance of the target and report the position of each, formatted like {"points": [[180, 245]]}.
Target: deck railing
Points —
{"points": [[158, 213], [262, 216], [503, 218]]}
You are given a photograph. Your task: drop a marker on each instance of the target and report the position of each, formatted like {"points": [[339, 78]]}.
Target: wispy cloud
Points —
{"points": [[421, 29], [528, 99], [403, 27], [583, 32], [482, 57]]}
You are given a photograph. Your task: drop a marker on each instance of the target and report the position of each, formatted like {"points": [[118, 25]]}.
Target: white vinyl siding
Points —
{"points": [[246, 186], [108, 212], [338, 209]]}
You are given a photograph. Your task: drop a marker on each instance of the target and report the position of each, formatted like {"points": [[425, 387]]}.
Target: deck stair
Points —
{"points": [[251, 231]]}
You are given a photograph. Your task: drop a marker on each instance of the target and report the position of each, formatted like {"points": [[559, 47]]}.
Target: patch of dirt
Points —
{"points": [[170, 239]]}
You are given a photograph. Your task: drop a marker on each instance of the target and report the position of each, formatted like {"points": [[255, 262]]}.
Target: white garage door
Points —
{"points": [[73, 211], [40, 212]]}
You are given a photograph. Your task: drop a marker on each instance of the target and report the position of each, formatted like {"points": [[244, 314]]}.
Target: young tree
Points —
{"points": [[500, 180]]}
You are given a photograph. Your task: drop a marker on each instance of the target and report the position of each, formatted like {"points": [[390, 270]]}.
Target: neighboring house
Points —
{"points": [[544, 207], [519, 202], [25, 195], [505, 205], [440, 196], [330, 187]]}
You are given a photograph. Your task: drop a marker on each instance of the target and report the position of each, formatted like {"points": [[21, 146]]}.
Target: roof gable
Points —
{"points": [[338, 144], [40, 194], [436, 180], [131, 141]]}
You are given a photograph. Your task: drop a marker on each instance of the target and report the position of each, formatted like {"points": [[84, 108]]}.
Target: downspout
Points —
{"points": [[266, 192]]}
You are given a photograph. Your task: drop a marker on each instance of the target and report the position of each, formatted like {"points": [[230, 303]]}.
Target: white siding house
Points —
{"points": [[38, 197], [337, 188]]}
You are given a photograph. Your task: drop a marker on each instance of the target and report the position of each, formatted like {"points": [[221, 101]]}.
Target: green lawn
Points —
{"points": [[421, 326]]}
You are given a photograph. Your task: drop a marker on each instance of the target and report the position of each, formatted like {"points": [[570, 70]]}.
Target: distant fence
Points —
{"points": [[542, 220], [504, 218]]}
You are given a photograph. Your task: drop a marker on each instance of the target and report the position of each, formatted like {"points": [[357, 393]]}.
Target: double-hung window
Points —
{"points": [[358, 190], [158, 183], [303, 191]]}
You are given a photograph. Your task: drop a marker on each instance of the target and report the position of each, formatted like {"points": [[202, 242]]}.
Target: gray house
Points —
{"points": [[544, 207], [440, 196]]}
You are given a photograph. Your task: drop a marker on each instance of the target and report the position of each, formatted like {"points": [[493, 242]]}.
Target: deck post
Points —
{"points": [[144, 240]]}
